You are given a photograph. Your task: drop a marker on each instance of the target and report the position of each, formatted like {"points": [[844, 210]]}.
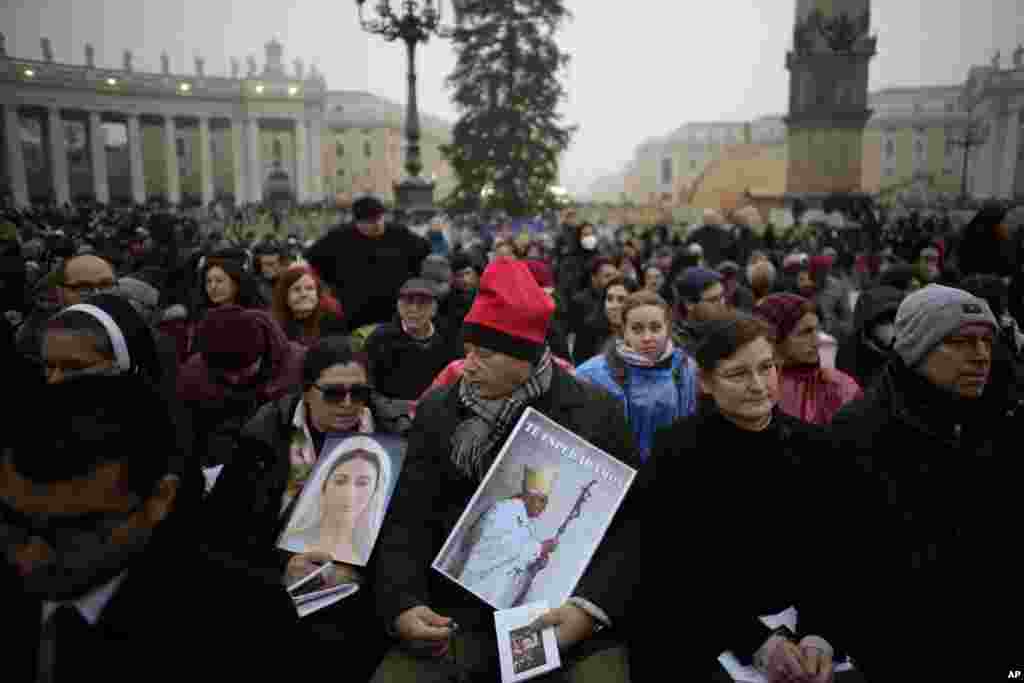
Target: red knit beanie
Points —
{"points": [[783, 311], [510, 313]]}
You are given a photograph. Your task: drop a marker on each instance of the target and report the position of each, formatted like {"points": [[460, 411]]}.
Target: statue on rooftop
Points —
{"points": [[165, 64], [200, 66], [996, 59], [47, 49], [235, 67], [128, 60], [251, 63], [3, 45], [90, 55], [300, 68], [1018, 57]]}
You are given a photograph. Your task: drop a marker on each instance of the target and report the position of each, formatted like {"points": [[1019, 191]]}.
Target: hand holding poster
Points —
{"points": [[531, 528], [341, 507]]}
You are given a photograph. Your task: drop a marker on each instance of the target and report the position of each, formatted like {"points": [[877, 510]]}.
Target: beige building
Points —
{"points": [[87, 131]]}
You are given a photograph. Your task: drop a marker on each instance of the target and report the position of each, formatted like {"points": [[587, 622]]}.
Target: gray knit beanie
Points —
{"points": [[929, 315]]}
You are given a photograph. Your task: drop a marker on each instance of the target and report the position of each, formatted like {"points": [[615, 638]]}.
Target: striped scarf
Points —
{"points": [[477, 439]]}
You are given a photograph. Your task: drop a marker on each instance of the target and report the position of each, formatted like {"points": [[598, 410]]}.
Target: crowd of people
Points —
{"points": [[818, 421]]}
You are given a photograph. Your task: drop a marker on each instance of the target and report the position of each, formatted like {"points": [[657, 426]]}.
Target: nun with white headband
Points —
{"points": [[105, 336]]}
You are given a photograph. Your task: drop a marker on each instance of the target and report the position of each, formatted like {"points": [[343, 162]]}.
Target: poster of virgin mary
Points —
{"points": [[342, 505]]}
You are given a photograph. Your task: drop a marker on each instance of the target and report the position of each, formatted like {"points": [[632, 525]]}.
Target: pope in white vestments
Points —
{"points": [[504, 542]]}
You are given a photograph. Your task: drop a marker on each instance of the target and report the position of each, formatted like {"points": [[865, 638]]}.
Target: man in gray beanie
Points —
{"points": [[926, 497]]}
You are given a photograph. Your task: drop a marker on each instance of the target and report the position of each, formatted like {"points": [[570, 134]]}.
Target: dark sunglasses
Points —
{"points": [[17, 528], [336, 393]]}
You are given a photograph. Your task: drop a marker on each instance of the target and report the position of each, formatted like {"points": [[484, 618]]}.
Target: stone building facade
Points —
{"points": [[120, 135]]}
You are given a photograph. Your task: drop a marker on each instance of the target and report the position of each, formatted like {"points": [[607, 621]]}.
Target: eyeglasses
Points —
{"points": [[17, 528], [416, 299], [88, 288], [720, 299], [337, 393]]}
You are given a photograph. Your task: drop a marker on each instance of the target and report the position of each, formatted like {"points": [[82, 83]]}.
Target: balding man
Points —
{"points": [[79, 278]]}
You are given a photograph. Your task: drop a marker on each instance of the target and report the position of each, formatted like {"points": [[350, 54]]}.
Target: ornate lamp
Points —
{"points": [[414, 22]]}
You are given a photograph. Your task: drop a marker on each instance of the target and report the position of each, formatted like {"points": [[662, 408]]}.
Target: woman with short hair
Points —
{"points": [[729, 469]]}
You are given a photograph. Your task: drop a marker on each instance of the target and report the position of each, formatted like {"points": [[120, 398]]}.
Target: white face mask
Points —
{"points": [[589, 242]]}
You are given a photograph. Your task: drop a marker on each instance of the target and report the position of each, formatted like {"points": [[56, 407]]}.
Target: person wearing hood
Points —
{"points": [[573, 264], [986, 246], [808, 391], [243, 360], [653, 379], [102, 568], [864, 353], [104, 336], [737, 295]]}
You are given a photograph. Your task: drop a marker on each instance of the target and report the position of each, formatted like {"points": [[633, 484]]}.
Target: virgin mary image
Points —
{"points": [[341, 507]]}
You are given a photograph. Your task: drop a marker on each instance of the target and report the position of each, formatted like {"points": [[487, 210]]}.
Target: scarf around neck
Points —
{"points": [[639, 360], [477, 438]]}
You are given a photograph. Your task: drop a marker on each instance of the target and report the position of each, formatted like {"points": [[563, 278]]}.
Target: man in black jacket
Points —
{"points": [[457, 434], [930, 495], [102, 571], [366, 263]]}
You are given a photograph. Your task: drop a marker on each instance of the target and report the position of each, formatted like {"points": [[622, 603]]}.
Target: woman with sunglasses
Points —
{"points": [[254, 495]]}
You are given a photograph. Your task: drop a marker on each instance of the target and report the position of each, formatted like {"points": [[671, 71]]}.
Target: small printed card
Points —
{"points": [[314, 592], [525, 652]]}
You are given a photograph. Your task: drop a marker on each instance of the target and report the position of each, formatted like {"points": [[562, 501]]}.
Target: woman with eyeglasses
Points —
{"points": [[279, 447], [753, 486]]}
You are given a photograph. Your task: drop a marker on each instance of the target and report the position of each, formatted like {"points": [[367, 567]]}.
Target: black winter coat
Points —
{"points": [[403, 367], [432, 494], [932, 501], [735, 505], [366, 273]]}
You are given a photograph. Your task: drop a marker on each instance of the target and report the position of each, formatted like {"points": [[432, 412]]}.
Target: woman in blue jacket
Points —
{"points": [[655, 380]]}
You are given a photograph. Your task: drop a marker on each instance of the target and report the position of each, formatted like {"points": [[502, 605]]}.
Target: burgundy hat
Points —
{"points": [[510, 313], [783, 311], [819, 264], [232, 338], [418, 286]]}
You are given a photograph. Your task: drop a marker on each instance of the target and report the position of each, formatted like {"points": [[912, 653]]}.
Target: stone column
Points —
{"points": [[1010, 152], [255, 162], [135, 160], [238, 162], [316, 169], [301, 161], [171, 159], [58, 156], [15, 156], [98, 157], [205, 160]]}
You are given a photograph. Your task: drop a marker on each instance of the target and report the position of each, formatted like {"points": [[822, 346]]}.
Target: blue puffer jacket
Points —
{"points": [[653, 397]]}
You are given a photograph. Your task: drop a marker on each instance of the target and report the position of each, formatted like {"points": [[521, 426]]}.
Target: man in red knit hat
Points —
{"points": [[458, 431]]}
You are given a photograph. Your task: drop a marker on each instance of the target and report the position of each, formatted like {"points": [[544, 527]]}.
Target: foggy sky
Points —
{"points": [[639, 69]]}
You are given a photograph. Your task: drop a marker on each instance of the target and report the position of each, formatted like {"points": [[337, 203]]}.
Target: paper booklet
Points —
{"points": [[313, 592], [533, 525], [523, 651], [343, 496], [749, 674]]}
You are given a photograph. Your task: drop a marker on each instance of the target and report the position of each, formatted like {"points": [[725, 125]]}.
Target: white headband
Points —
{"points": [[124, 360]]}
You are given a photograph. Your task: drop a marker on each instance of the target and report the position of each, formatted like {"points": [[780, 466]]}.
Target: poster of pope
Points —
{"points": [[534, 523]]}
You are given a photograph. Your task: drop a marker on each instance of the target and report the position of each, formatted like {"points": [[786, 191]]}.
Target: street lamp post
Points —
{"points": [[972, 137], [412, 24]]}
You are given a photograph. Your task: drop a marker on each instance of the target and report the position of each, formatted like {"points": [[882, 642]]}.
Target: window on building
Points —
{"points": [[890, 172], [950, 106], [693, 164], [278, 150], [890, 149], [367, 149], [339, 150], [180, 145], [341, 173], [666, 171]]}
